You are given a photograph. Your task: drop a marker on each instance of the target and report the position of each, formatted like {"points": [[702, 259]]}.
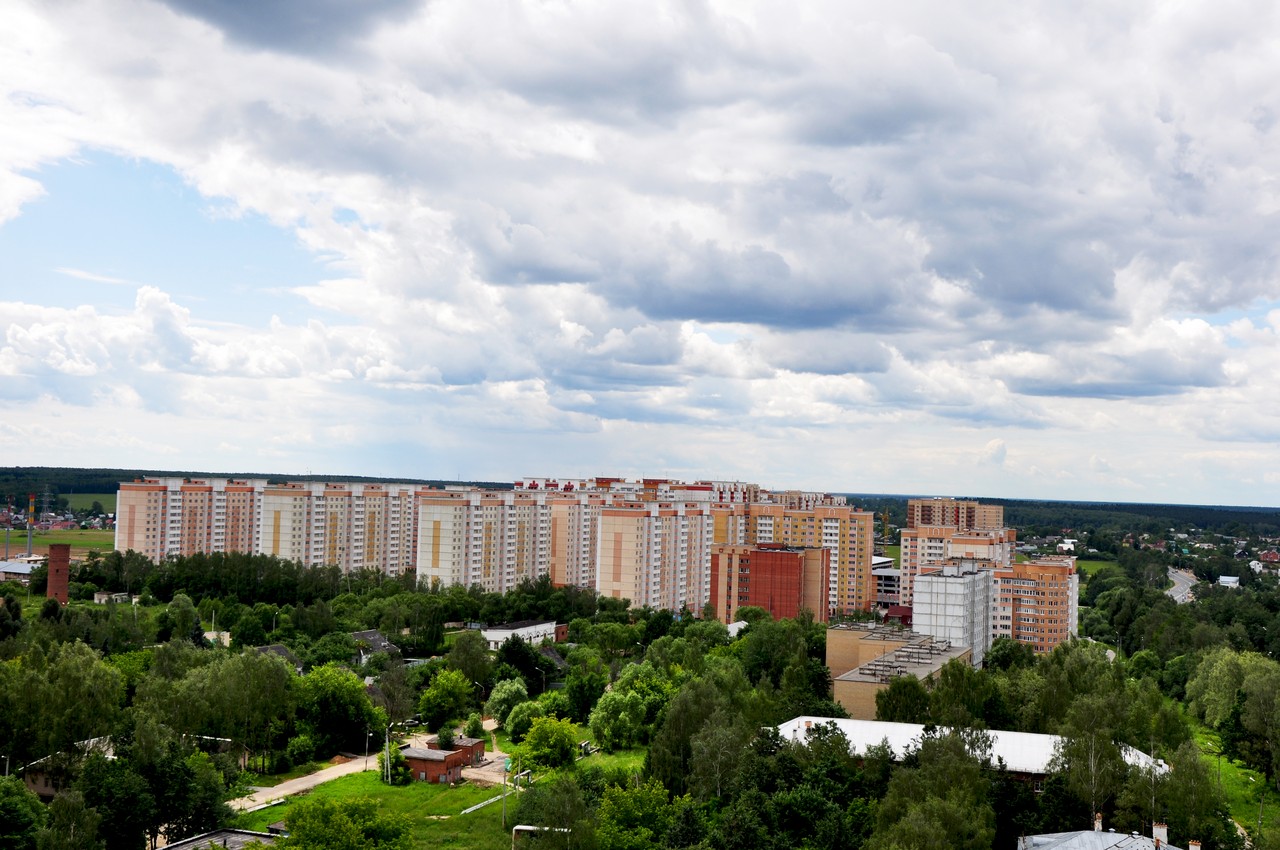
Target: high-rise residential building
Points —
{"points": [[953, 603], [939, 529], [958, 513], [783, 580], [1037, 601], [163, 517], [351, 526], [847, 533], [649, 540]]}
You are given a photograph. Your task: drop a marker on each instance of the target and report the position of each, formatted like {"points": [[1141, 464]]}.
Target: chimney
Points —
{"points": [[1160, 834], [59, 571], [1097, 822], [1193, 845]]}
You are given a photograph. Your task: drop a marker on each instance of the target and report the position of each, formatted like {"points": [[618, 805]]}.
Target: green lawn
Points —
{"points": [[1239, 784], [894, 552], [434, 810], [103, 540], [84, 501], [1091, 567]]}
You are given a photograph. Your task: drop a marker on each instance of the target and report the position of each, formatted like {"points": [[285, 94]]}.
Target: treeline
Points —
{"points": [[17, 482]]}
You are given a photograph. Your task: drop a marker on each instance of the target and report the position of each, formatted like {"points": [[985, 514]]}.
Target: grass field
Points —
{"points": [[87, 538], [84, 501], [1240, 785], [434, 810], [894, 552], [1091, 567]]}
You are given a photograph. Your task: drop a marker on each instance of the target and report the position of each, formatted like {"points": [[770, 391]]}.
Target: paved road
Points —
{"points": [[1182, 583], [488, 773], [304, 783]]}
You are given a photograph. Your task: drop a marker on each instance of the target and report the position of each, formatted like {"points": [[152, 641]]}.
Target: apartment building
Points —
{"points": [[940, 529], [648, 540], [783, 580], [164, 517], [847, 533], [352, 526], [1037, 602], [953, 603], [958, 513]]}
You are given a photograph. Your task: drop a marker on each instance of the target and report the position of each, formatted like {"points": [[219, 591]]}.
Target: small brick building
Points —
{"points": [[472, 748], [436, 765]]}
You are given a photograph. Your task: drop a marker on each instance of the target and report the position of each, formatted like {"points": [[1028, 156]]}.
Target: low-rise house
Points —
{"points": [[1025, 754], [370, 643], [530, 631], [427, 765], [472, 747]]}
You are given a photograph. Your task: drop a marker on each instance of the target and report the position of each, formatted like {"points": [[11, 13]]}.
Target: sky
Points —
{"points": [[983, 249]]}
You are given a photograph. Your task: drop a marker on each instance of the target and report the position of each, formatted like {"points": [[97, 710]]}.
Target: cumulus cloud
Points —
{"points": [[749, 221]]}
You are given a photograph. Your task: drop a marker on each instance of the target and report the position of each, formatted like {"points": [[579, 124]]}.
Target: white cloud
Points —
{"points": [[699, 232]]}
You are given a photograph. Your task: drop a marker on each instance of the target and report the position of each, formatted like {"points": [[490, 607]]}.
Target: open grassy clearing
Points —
{"points": [[82, 538], [1091, 567], [1240, 785], [84, 501], [894, 552], [434, 810]]}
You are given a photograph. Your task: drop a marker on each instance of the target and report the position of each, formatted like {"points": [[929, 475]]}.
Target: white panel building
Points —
{"points": [[953, 602]]}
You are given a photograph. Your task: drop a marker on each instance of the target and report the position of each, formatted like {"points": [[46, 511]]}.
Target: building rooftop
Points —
{"points": [[1022, 752], [921, 657], [233, 839], [1091, 840]]}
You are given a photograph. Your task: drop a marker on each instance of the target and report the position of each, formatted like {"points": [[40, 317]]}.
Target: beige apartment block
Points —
{"points": [[958, 513], [930, 546], [1037, 602]]}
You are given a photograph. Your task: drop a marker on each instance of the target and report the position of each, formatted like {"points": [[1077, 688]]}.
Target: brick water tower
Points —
{"points": [[59, 571]]}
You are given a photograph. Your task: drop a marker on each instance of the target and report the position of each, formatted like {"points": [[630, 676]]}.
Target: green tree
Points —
{"points": [[905, 701], [939, 804], [21, 815], [72, 825], [617, 720], [334, 708], [635, 818], [506, 695], [551, 742], [520, 719], [319, 824], [448, 698], [470, 656]]}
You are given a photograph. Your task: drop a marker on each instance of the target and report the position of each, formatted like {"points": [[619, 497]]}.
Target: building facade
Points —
{"points": [[1037, 602], [953, 603], [649, 540], [783, 580]]}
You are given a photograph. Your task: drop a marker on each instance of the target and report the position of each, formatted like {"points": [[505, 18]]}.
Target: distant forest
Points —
{"points": [[1033, 518], [18, 481], [1029, 517]]}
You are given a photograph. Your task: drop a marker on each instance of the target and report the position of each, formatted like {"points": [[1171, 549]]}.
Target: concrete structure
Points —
{"points": [[471, 748], [864, 659], [59, 571], [783, 580], [1026, 754], [351, 526], [1097, 839], [953, 603], [849, 534], [231, 839], [1037, 602]]}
